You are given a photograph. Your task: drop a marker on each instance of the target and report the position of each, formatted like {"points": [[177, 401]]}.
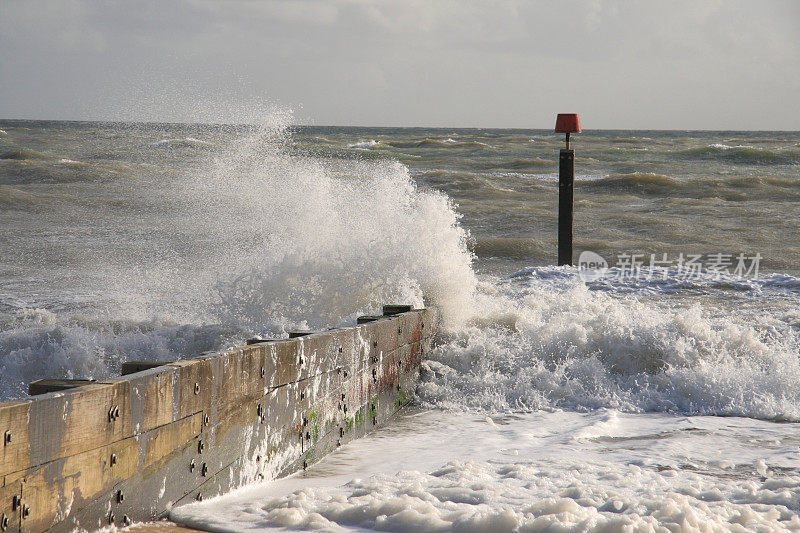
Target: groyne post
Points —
{"points": [[566, 123]]}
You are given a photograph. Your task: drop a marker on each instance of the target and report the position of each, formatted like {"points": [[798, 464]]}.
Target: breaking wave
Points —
{"points": [[257, 240], [545, 340], [186, 142], [732, 188], [25, 154], [438, 143], [369, 145], [741, 154]]}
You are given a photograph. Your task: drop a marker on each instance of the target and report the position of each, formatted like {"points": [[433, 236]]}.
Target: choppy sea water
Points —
{"points": [[132, 241]]}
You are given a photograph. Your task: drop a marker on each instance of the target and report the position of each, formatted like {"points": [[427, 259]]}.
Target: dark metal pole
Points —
{"points": [[566, 177]]}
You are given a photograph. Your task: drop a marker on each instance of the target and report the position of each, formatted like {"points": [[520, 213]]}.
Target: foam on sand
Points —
{"points": [[556, 471]]}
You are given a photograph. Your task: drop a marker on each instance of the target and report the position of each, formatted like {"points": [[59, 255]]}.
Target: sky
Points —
{"points": [[679, 64]]}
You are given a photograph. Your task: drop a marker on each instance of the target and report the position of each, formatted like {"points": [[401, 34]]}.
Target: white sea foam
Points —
{"points": [[367, 145], [727, 147], [547, 340], [186, 142], [40, 343]]}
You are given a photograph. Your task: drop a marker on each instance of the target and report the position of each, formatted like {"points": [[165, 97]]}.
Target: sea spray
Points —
{"points": [[320, 241]]}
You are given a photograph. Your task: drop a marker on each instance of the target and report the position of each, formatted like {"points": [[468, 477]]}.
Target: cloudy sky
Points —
{"points": [[679, 64]]}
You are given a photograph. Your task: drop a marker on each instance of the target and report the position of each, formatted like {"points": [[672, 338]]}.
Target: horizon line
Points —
{"points": [[190, 123]]}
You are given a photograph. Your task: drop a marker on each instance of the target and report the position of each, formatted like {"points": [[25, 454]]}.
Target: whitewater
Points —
{"points": [[652, 401]]}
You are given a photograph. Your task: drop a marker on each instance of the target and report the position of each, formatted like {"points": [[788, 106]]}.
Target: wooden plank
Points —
{"points": [[131, 367], [409, 328], [151, 398], [284, 360], [14, 447], [161, 442], [43, 386], [61, 424], [395, 309], [382, 335], [54, 490], [10, 506], [430, 317], [145, 496], [61, 488], [238, 374], [193, 387]]}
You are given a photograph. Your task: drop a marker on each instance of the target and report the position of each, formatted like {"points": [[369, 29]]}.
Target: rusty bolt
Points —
{"points": [[191, 466], [204, 470], [113, 460], [197, 388], [200, 446], [120, 496], [7, 438]]}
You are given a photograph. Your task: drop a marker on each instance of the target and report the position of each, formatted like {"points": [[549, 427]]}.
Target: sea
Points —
{"points": [[654, 386]]}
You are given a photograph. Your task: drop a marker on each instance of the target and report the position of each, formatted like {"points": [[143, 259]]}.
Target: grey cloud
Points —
{"points": [[682, 64]]}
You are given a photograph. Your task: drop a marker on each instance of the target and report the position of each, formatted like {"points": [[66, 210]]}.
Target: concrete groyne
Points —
{"points": [[129, 449]]}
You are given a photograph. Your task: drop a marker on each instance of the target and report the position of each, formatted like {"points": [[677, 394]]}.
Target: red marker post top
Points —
{"points": [[568, 123]]}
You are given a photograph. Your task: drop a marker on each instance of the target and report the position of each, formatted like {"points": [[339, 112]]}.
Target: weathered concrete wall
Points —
{"points": [[128, 449]]}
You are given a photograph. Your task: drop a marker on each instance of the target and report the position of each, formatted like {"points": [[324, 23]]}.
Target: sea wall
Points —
{"points": [[129, 449]]}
